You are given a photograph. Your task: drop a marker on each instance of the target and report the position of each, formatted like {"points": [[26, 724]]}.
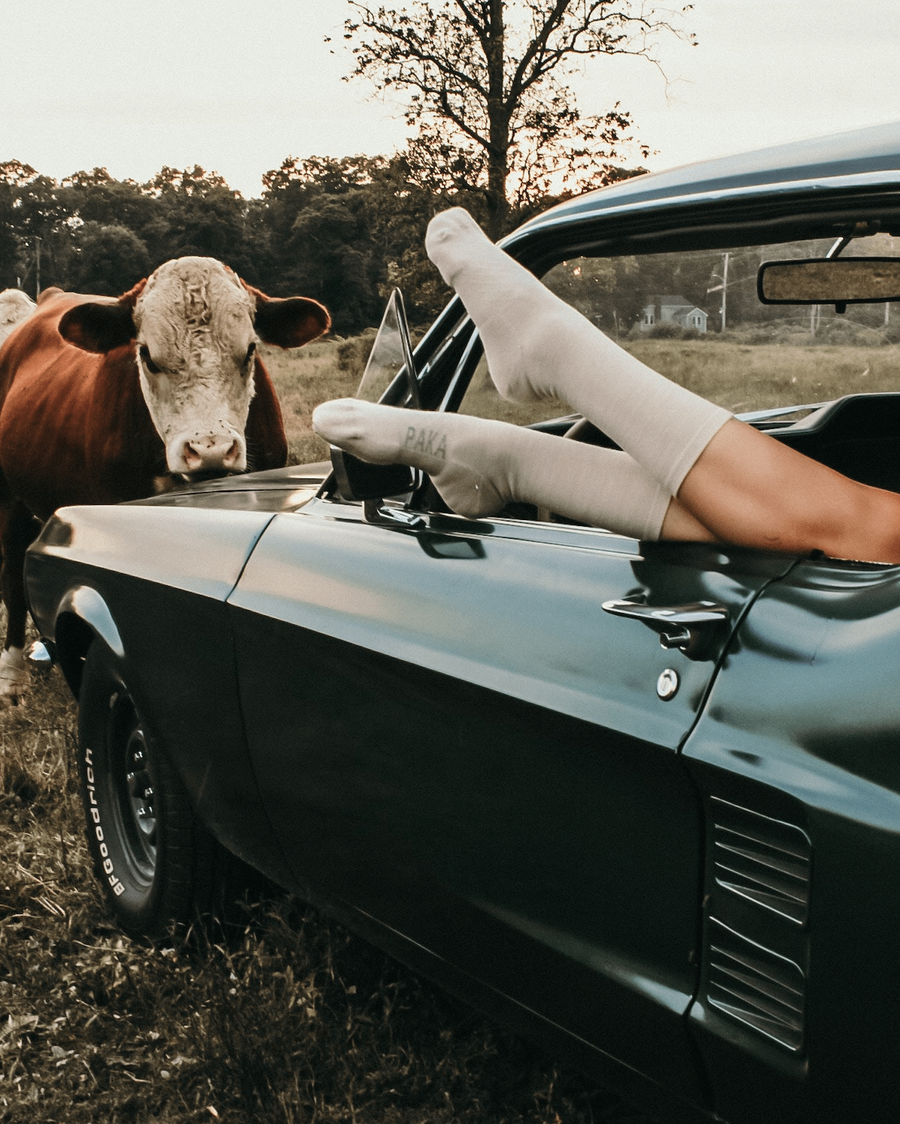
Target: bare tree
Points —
{"points": [[486, 83]]}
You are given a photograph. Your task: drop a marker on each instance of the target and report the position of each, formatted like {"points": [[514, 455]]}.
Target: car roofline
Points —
{"points": [[817, 187], [870, 155]]}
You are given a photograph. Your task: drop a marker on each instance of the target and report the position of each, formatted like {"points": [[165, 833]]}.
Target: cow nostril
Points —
{"points": [[192, 458], [210, 453]]}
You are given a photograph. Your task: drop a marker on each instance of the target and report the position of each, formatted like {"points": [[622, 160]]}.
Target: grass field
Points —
{"points": [[741, 377], [746, 377], [304, 378], [292, 1019]]}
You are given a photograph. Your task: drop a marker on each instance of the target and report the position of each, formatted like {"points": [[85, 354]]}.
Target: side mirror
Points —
{"points": [[359, 480]]}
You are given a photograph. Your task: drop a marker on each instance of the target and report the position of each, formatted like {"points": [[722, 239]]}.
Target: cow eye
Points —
{"points": [[147, 361]]}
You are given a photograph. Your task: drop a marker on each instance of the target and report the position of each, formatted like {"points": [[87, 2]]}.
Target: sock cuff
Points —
{"points": [[649, 529], [708, 425]]}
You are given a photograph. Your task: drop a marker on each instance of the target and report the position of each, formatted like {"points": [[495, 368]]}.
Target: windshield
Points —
{"points": [[695, 317]]}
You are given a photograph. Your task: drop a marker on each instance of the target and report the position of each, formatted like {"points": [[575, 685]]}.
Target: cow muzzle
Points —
{"points": [[213, 454]]}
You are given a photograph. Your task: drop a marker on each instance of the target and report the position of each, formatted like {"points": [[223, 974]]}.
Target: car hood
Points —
{"points": [[277, 489]]}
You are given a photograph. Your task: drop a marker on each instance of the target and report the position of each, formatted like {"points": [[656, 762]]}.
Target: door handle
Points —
{"points": [[678, 626], [375, 511]]}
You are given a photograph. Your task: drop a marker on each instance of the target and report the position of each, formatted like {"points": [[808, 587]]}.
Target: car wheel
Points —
{"points": [[159, 867]]}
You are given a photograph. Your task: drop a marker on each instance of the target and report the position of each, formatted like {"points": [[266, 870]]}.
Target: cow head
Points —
{"points": [[195, 327]]}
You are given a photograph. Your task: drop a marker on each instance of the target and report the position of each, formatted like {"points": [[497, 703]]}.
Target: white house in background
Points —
{"points": [[673, 310]]}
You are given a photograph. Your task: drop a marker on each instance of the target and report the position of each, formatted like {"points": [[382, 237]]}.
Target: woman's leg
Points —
{"points": [[537, 346], [479, 466], [739, 484], [752, 490]]}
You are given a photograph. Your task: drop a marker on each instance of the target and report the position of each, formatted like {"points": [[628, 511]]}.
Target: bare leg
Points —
{"points": [[752, 490]]}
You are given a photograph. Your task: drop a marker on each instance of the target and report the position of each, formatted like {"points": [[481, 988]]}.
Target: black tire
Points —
{"points": [[160, 868]]}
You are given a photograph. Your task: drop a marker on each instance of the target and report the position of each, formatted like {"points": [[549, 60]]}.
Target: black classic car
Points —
{"points": [[642, 799]]}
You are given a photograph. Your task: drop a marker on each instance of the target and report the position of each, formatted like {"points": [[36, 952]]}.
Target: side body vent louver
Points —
{"points": [[756, 986], [764, 860]]}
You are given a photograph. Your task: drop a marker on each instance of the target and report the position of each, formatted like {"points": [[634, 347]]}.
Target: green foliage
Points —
{"points": [[670, 331], [341, 231], [354, 228], [108, 259]]}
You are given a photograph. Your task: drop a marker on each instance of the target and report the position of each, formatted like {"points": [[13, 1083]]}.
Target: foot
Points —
{"points": [[479, 466], [520, 321], [539, 347], [458, 452]]}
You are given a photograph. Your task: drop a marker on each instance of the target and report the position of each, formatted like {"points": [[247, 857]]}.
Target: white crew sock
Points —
{"points": [[479, 466], [537, 346]]}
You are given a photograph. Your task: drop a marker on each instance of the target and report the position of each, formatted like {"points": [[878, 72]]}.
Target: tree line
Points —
{"points": [[495, 127], [344, 231], [340, 230]]}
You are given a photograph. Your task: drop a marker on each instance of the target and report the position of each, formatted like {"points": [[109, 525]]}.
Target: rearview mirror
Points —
{"points": [[838, 281]]}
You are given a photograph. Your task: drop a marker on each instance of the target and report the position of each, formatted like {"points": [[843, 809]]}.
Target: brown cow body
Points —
{"points": [[163, 382]]}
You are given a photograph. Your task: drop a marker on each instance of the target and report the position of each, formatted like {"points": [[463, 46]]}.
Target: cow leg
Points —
{"points": [[17, 530]]}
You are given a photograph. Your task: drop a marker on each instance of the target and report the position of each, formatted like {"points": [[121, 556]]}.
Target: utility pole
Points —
{"points": [[37, 267], [724, 289]]}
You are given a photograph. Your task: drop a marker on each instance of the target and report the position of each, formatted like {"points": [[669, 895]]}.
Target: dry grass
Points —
{"points": [[741, 377], [303, 379], [744, 377]]}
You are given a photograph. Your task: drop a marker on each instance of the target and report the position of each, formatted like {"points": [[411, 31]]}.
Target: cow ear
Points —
{"points": [[290, 322], [98, 327]]}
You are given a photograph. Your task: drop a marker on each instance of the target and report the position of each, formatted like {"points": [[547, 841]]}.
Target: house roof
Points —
{"points": [[672, 301]]}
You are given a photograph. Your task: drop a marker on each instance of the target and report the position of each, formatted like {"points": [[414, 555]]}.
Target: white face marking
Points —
{"points": [[15, 306], [195, 343]]}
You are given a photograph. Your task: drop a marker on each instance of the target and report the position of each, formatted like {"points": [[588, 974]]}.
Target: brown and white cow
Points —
{"points": [[15, 306], [101, 399]]}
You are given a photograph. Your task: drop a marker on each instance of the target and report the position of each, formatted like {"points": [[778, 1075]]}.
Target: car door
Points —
{"points": [[469, 732]]}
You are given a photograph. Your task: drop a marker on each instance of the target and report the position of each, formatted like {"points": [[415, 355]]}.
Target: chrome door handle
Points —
{"points": [[376, 511], [678, 626]]}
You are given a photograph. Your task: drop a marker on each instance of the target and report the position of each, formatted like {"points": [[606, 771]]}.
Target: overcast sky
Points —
{"points": [[236, 87]]}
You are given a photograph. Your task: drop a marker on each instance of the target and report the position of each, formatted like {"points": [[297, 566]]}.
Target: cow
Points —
{"points": [[107, 399], [15, 306]]}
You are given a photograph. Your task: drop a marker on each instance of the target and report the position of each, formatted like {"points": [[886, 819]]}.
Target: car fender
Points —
{"points": [[85, 603]]}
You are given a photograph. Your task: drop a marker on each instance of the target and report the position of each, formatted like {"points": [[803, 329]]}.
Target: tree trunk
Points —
{"points": [[498, 124]]}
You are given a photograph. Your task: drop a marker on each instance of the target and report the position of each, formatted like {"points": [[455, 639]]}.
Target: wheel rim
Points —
{"points": [[134, 790]]}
